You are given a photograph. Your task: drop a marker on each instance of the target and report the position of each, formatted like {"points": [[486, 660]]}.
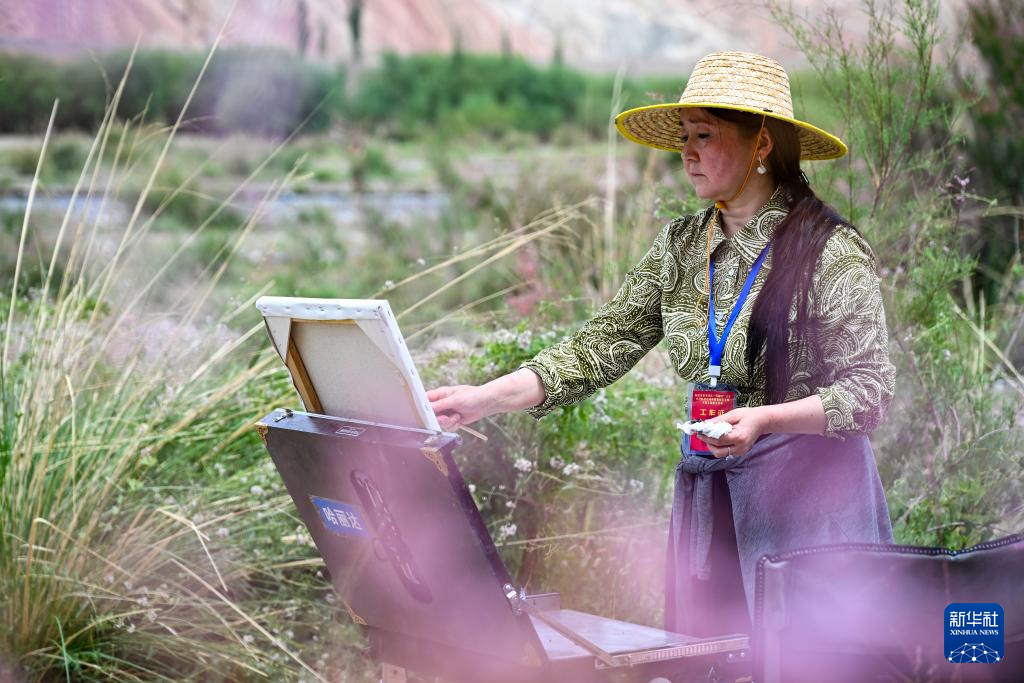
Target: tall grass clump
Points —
{"points": [[114, 563], [951, 450]]}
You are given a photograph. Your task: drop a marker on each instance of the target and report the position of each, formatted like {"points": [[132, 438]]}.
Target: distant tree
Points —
{"points": [[506, 43], [457, 46], [355, 28], [302, 15]]}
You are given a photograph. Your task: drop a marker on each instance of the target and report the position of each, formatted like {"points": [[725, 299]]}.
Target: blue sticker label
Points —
{"points": [[974, 632], [340, 518]]}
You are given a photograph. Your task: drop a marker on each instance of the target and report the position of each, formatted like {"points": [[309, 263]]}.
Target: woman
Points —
{"points": [[797, 342]]}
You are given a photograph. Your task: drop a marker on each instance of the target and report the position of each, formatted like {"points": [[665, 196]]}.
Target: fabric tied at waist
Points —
{"points": [[789, 491], [695, 490]]}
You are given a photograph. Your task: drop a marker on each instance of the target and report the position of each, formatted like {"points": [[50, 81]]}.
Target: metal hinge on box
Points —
{"points": [[520, 604]]}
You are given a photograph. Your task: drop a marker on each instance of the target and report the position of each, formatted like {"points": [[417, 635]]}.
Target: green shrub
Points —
{"points": [[184, 204], [367, 162], [405, 95], [28, 87], [65, 159], [23, 160], [595, 478]]}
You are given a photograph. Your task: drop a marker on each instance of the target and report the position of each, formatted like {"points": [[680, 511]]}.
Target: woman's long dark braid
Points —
{"points": [[797, 244]]}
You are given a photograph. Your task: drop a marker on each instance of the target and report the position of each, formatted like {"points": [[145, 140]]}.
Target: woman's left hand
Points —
{"points": [[747, 425]]}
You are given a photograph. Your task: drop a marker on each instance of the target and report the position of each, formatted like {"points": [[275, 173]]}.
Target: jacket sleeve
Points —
{"points": [[610, 343], [853, 339]]}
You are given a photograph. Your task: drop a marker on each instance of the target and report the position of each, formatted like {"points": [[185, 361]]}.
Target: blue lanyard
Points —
{"points": [[716, 344]]}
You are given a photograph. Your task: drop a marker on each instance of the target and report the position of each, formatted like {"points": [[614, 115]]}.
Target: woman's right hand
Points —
{"points": [[459, 405], [464, 404]]}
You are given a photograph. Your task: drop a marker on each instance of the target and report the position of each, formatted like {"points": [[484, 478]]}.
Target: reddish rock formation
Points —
{"points": [[643, 35]]}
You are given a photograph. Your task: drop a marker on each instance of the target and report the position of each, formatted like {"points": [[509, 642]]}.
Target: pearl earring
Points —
{"points": [[761, 169]]}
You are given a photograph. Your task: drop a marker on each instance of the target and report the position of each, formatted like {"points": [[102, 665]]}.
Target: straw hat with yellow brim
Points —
{"points": [[728, 80]]}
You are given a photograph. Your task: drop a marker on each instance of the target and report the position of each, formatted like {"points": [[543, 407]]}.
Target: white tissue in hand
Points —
{"points": [[715, 430]]}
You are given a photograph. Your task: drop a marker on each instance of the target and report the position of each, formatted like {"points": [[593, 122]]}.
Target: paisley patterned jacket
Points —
{"points": [[846, 361]]}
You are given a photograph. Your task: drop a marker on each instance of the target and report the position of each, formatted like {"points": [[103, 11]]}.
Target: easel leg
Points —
{"points": [[392, 674]]}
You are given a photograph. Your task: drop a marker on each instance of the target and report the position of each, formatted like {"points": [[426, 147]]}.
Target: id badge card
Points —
{"points": [[706, 402]]}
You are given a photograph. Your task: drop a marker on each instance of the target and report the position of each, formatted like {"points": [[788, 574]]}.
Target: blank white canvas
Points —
{"points": [[355, 357]]}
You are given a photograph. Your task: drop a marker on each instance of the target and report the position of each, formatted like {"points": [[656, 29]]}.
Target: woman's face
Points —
{"points": [[715, 155]]}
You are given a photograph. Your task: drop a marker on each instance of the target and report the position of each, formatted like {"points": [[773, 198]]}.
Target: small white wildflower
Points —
{"points": [[128, 585], [507, 530], [524, 338], [504, 336], [109, 578], [330, 598], [523, 465], [570, 469], [510, 504], [556, 463], [472, 488], [131, 627], [247, 639], [219, 469], [388, 284], [222, 531], [636, 485], [256, 490], [144, 601], [151, 614], [290, 634], [421, 262], [606, 420]]}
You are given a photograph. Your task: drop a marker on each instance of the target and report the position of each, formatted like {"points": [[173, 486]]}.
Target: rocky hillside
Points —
{"points": [[642, 35]]}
